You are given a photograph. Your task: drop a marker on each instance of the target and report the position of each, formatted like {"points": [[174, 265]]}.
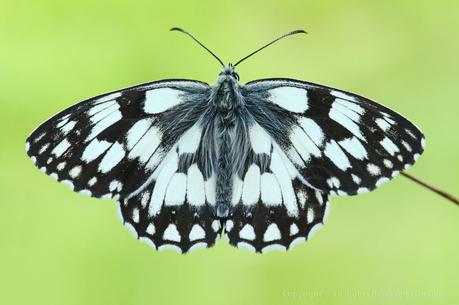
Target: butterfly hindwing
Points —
{"points": [[177, 209], [341, 143], [262, 227], [272, 207], [108, 146], [181, 228]]}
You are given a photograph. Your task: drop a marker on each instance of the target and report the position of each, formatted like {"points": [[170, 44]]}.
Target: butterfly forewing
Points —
{"points": [[110, 145], [341, 143]]}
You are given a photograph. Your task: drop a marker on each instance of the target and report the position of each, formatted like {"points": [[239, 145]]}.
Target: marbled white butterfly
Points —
{"points": [[189, 162]]}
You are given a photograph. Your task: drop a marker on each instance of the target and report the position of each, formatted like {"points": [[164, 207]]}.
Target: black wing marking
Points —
{"points": [[108, 146], [341, 143]]}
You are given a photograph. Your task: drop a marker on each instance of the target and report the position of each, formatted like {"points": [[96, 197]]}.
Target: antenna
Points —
{"points": [[192, 37], [268, 44]]}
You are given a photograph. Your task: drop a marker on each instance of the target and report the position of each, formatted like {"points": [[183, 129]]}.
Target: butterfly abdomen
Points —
{"points": [[224, 174], [227, 102]]}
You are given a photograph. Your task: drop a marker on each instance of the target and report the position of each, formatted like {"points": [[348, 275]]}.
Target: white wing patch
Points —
{"points": [[272, 233], [112, 157], [354, 148], [190, 140], [146, 146], [383, 124], [237, 190], [333, 152], [313, 130], [247, 232], [94, 150], [259, 139], [107, 98], [137, 131], [338, 114], [342, 95], [197, 232], [285, 182], [99, 109], [290, 98], [251, 188], [210, 186], [159, 100], [303, 144], [61, 148], [166, 170], [271, 194], [389, 146], [171, 233], [176, 190], [104, 119], [195, 186]]}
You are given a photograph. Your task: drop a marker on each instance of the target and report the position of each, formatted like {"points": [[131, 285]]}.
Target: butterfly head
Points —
{"points": [[227, 90], [228, 73]]}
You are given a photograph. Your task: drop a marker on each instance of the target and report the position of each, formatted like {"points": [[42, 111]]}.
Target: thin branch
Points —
{"points": [[432, 188]]}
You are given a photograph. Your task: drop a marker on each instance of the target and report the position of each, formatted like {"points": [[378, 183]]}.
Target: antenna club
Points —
{"points": [[177, 29], [297, 32]]}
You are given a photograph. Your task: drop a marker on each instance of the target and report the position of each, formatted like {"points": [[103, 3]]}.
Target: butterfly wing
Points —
{"points": [[271, 207], [307, 141], [177, 209], [340, 143], [141, 145], [108, 146]]}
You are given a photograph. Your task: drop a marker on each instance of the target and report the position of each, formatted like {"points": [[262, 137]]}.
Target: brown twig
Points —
{"points": [[432, 188]]}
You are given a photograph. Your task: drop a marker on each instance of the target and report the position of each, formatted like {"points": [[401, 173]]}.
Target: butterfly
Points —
{"points": [[190, 162]]}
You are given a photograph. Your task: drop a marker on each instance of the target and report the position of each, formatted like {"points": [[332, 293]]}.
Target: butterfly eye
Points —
{"points": [[235, 75]]}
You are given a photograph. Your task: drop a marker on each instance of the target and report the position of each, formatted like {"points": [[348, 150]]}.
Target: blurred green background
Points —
{"points": [[397, 245]]}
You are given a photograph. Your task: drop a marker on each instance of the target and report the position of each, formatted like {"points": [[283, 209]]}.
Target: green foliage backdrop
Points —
{"points": [[397, 245]]}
